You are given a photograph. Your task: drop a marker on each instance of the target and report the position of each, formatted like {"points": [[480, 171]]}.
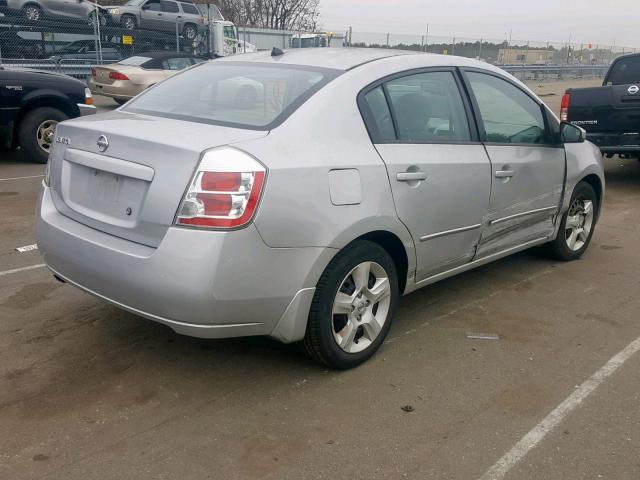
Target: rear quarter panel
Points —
{"points": [[327, 133]]}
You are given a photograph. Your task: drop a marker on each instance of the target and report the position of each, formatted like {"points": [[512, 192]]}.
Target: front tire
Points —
{"points": [[353, 306], [128, 22], [577, 225], [37, 130]]}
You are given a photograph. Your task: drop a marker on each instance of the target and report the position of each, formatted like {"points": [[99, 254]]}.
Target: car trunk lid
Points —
{"points": [[125, 174]]}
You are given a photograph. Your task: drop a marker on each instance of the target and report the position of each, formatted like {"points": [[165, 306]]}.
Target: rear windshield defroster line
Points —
{"points": [[246, 95]]}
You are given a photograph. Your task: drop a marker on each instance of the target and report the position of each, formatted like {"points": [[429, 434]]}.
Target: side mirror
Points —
{"points": [[144, 7], [572, 133]]}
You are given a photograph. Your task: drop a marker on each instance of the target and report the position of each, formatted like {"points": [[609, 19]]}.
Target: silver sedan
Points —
{"points": [[298, 195]]}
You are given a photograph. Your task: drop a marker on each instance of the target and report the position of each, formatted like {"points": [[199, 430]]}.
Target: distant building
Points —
{"points": [[515, 56]]}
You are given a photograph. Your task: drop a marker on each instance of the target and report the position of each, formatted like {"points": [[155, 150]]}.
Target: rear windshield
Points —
{"points": [[624, 72], [134, 61], [235, 94]]}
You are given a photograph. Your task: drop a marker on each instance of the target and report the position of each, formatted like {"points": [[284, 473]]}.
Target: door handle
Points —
{"points": [[505, 173], [411, 176]]}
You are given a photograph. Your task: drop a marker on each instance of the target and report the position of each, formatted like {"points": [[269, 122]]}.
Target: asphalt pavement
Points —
{"points": [[91, 392]]}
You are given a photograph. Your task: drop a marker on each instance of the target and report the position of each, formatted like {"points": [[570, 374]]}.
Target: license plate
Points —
{"points": [[104, 187]]}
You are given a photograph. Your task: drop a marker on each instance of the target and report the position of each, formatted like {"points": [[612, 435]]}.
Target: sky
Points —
{"points": [[599, 22]]}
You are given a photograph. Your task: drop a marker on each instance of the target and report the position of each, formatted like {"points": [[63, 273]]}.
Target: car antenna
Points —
{"points": [[276, 52]]}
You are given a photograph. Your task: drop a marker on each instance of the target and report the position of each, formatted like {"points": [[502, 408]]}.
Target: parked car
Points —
{"points": [[37, 10], [13, 45], [351, 178], [127, 78], [164, 15], [610, 114], [86, 50], [31, 105]]}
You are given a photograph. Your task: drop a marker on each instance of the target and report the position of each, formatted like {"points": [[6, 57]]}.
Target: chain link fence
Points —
{"points": [[72, 41], [525, 58]]}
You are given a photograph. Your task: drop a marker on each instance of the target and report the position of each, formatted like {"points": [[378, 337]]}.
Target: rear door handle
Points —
{"points": [[505, 173], [411, 176]]}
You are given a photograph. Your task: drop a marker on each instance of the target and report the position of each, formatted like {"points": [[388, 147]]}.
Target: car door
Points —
{"points": [[528, 163], [69, 8], [151, 16], [170, 14], [440, 174]]}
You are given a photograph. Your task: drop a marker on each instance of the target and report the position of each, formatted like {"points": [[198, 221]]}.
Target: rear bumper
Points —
{"points": [[199, 283], [615, 143], [119, 89]]}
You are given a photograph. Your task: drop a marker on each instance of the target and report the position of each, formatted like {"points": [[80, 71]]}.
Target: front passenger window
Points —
{"points": [[509, 115]]}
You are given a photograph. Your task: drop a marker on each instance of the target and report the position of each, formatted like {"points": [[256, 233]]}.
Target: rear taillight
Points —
{"points": [[225, 191], [564, 107], [93, 73], [201, 20], [118, 76]]}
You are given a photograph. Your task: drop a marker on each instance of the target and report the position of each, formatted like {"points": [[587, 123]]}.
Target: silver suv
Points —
{"points": [[165, 15], [36, 10]]}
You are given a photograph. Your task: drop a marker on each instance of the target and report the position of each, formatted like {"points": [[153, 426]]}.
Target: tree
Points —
{"points": [[275, 14]]}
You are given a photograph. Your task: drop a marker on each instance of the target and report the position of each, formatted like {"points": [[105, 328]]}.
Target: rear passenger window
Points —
{"points": [[176, 63], [170, 7], [380, 123], [509, 115], [624, 71], [188, 8], [428, 108]]}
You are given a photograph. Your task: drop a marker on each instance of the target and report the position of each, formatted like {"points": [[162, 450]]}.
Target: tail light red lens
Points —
{"points": [[118, 76], [564, 107], [93, 72], [225, 191]]}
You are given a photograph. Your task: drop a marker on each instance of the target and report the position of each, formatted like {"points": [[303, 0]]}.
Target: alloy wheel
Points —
{"points": [[128, 23], [579, 223], [45, 134], [361, 307], [32, 13]]}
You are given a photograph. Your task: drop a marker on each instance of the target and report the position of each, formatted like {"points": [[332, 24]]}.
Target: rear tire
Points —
{"points": [[121, 101], [190, 32], [577, 225], [36, 132], [353, 306]]}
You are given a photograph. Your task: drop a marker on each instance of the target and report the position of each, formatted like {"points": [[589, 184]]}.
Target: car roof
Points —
{"points": [[350, 58], [163, 54], [335, 58]]}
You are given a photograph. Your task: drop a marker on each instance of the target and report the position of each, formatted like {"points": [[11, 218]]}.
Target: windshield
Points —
{"points": [[134, 61], [135, 3], [243, 95], [624, 72]]}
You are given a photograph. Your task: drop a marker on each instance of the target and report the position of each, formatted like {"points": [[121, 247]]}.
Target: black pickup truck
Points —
{"points": [[610, 114], [31, 105]]}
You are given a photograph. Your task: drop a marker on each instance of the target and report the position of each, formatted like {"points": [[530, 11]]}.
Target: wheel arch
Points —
{"points": [[595, 182], [50, 101]]}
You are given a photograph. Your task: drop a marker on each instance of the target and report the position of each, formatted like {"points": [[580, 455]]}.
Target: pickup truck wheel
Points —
{"points": [[577, 225], [121, 101], [353, 306], [128, 22], [37, 131]]}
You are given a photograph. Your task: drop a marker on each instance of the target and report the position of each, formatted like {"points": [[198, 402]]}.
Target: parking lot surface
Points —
{"points": [[88, 391]]}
